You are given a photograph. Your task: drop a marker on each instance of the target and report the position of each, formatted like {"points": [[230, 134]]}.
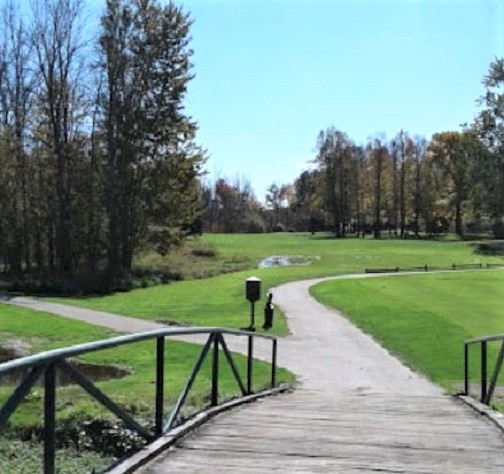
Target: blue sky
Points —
{"points": [[270, 74]]}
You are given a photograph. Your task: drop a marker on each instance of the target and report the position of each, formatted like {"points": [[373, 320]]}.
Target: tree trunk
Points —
{"points": [[402, 194], [459, 230]]}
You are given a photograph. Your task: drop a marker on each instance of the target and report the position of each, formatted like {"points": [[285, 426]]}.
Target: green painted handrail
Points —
{"points": [[487, 389]]}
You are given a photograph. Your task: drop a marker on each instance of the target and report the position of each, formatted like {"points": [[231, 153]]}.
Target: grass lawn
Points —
{"points": [[424, 319], [135, 392], [219, 301]]}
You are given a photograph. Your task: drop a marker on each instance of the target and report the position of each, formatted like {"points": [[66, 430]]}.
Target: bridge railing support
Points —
{"points": [[487, 388], [45, 365]]}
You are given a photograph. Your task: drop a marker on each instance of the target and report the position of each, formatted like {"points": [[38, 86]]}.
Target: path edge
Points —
{"points": [[152, 450], [497, 418]]}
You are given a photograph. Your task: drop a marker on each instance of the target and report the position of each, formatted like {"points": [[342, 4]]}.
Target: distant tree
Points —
{"points": [[419, 192], [361, 194], [335, 159], [274, 200], [306, 207], [406, 149], [231, 207], [280, 203], [17, 83], [153, 163], [394, 151], [288, 192], [57, 38], [452, 152], [88, 175], [378, 153], [489, 126]]}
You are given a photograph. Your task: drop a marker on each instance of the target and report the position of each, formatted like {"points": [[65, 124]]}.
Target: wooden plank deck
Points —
{"points": [[307, 431]]}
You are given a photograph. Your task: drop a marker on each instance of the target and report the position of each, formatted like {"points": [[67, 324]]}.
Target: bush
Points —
{"points": [[255, 225], [490, 248], [208, 251], [77, 284], [84, 433], [26, 457]]}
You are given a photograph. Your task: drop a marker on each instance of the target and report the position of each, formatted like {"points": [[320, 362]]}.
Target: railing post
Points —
{"points": [[215, 371], [160, 360], [49, 419], [483, 371], [466, 369], [273, 363], [495, 376], [250, 356]]}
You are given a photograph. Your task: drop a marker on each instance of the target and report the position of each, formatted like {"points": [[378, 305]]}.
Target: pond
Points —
{"points": [[285, 260]]}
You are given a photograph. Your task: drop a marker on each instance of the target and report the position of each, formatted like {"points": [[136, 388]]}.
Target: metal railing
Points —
{"points": [[45, 365], [487, 387]]}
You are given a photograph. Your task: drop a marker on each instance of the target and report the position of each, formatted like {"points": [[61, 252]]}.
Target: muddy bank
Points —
{"points": [[14, 349]]}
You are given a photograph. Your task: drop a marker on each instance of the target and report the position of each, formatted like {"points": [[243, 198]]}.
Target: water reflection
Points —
{"points": [[285, 260]]}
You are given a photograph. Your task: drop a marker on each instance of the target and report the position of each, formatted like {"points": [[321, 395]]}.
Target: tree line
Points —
{"points": [[97, 155], [405, 186], [99, 160]]}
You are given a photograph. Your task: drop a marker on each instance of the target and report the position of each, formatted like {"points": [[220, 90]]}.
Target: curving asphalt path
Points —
{"points": [[328, 353], [324, 350]]}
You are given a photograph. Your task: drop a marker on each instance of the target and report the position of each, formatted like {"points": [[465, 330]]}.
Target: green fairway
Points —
{"points": [[424, 319], [220, 301]]}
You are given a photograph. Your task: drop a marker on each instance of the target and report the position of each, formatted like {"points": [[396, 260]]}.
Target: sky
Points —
{"points": [[271, 74]]}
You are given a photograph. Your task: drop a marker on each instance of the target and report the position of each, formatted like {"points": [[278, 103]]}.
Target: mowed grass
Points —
{"points": [[136, 391], [424, 319], [220, 301]]}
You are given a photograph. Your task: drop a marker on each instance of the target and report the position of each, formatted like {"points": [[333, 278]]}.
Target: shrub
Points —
{"points": [[490, 248], [255, 225], [208, 251]]}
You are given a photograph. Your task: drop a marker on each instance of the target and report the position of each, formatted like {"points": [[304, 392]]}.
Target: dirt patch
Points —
{"points": [[16, 348], [95, 372], [169, 322], [13, 349]]}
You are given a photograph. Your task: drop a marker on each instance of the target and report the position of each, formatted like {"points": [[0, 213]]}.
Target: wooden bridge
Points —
{"points": [[309, 432], [357, 409]]}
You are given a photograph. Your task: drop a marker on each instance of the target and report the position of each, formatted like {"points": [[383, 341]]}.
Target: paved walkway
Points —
{"points": [[358, 409], [99, 318]]}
